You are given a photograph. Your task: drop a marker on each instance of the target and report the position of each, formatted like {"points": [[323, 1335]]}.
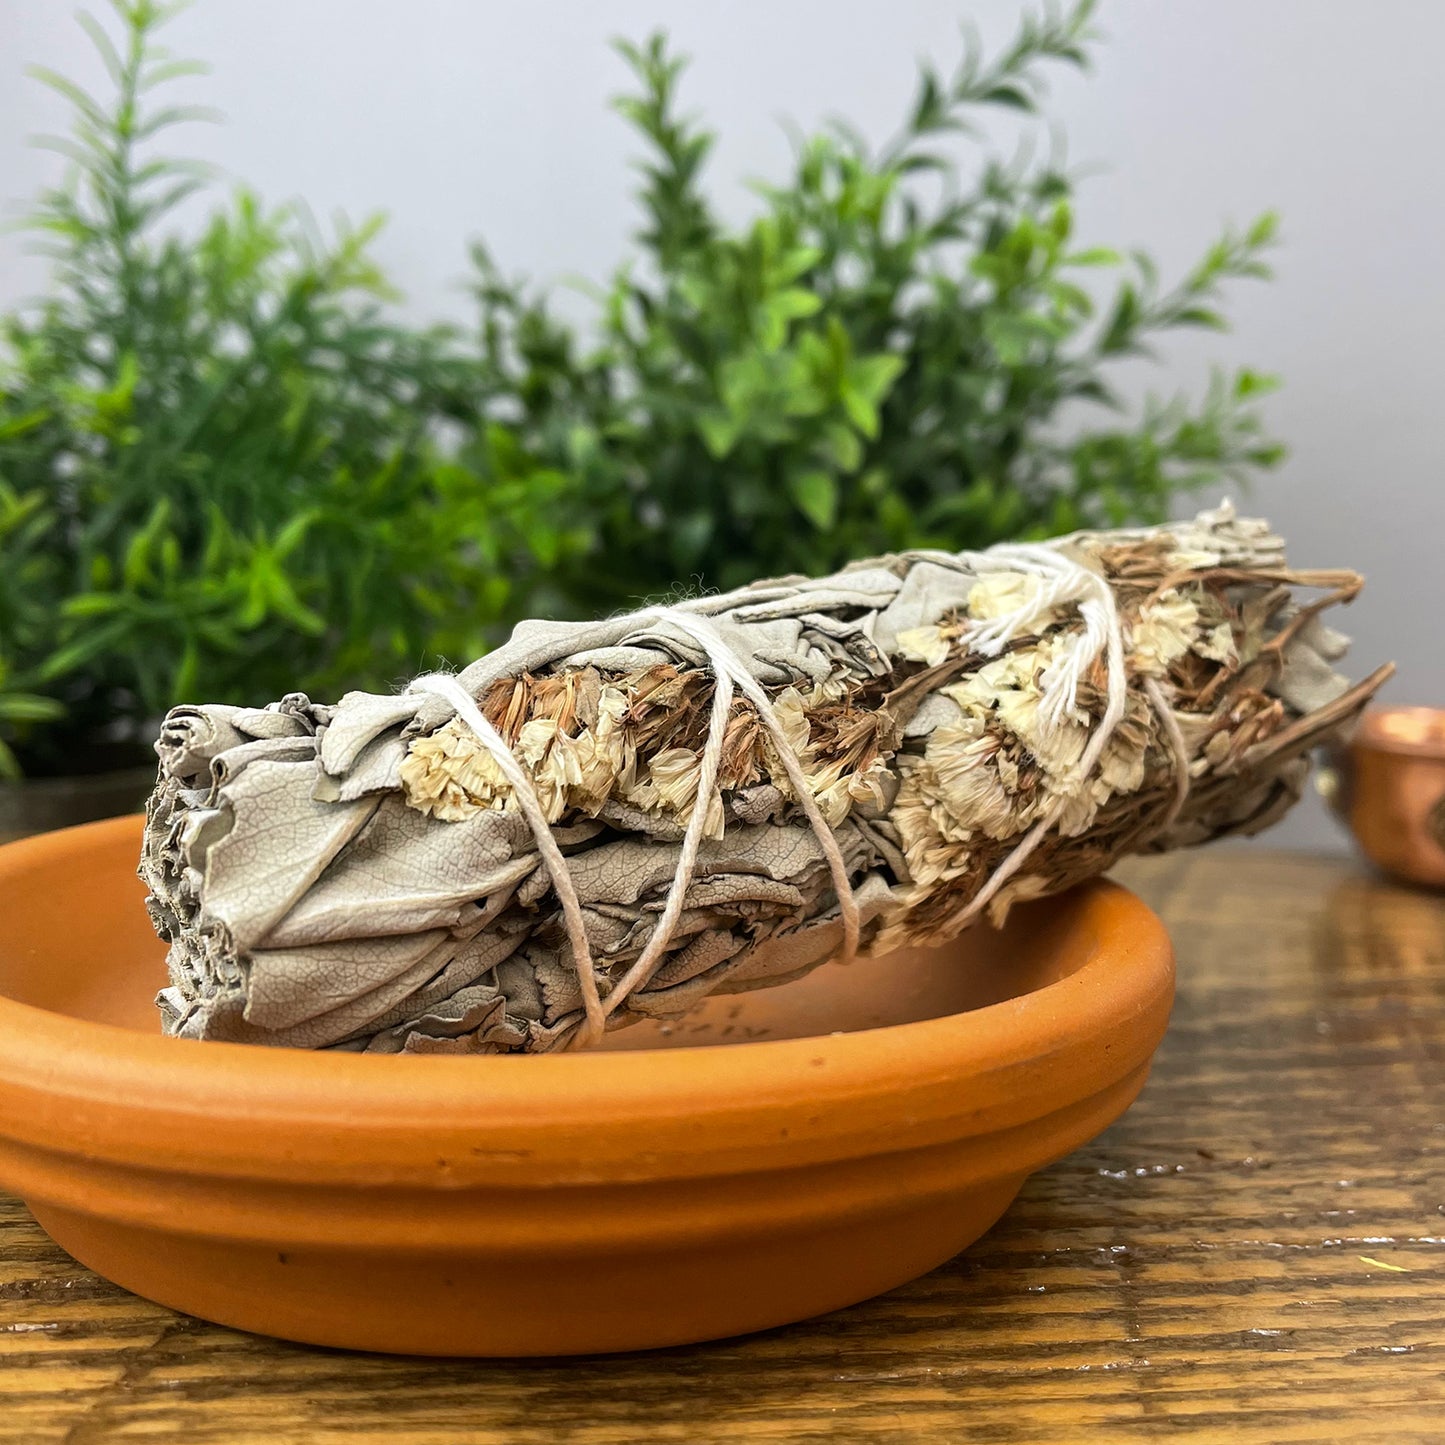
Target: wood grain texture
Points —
{"points": [[1256, 1253]]}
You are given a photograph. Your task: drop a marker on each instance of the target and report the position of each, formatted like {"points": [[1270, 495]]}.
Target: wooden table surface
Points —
{"points": [[1255, 1253]]}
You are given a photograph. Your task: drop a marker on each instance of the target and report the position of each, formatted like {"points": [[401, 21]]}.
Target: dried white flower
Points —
{"points": [[1010, 690], [978, 693], [1218, 645], [1191, 559], [791, 710], [551, 757], [671, 786], [1075, 811], [604, 760], [1001, 594], [959, 776], [451, 775], [1163, 632], [833, 688], [871, 789], [924, 644], [1122, 769]]}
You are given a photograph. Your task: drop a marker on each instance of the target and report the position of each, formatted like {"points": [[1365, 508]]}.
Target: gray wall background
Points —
{"points": [[489, 117]]}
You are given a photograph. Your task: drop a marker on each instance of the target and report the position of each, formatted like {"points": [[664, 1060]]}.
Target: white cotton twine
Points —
{"points": [[729, 673], [1066, 581]]}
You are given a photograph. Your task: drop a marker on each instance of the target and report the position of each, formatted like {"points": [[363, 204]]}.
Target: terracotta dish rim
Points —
{"points": [[281, 1114]]}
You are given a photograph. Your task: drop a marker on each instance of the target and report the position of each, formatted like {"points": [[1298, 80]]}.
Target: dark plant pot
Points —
{"points": [[43, 804]]}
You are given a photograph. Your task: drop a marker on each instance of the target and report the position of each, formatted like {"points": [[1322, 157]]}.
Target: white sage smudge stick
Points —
{"points": [[607, 821]]}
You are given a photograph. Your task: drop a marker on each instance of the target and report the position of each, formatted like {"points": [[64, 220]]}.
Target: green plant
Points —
{"points": [[221, 471], [226, 471], [887, 356]]}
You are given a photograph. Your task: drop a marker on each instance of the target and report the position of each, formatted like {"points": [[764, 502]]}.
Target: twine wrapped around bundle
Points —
{"points": [[607, 821]]}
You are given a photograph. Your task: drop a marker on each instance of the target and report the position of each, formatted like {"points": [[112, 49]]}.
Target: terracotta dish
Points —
{"points": [[780, 1154], [1388, 784]]}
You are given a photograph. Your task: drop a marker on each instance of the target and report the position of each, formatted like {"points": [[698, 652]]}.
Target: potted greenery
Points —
{"points": [[220, 465], [891, 354], [226, 472]]}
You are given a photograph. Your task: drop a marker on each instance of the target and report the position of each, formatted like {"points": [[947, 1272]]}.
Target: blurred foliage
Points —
{"points": [[221, 465], [224, 472], [894, 353]]}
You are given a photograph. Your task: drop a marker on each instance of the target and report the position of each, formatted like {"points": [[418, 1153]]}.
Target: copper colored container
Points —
{"points": [[1388, 784]]}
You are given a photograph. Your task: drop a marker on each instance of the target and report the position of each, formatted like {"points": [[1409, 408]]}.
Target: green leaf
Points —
{"points": [[230, 469], [188, 673], [1202, 316], [795, 302], [16, 426], [1248, 384], [840, 445], [785, 306], [861, 412], [1012, 96], [872, 377], [797, 261], [719, 431], [1095, 256], [816, 495], [74, 655], [19, 707], [173, 115], [104, 46], [290, 537], [84, 103], [1264, 231], [92, 604]]}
